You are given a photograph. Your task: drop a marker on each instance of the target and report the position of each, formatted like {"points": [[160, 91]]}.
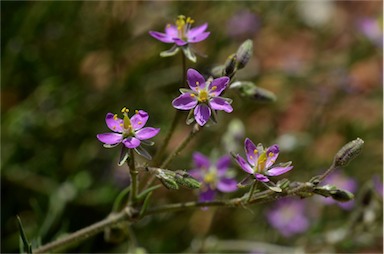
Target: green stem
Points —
{"points": [[134, 179], [119, 198], [85, 233], [182, 145], [130, 215], [250, 193]]}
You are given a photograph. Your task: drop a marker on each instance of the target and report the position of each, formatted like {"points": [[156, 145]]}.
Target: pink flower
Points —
{"points": [[128, 131], [203, 97]]}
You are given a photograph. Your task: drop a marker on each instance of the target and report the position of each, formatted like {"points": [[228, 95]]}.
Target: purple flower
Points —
{"points": [[370, 27], [214, 176], [260, 161], [288, 216], [341, 181], [203, 97], [181, 34], [128, 131], [378, 184]]}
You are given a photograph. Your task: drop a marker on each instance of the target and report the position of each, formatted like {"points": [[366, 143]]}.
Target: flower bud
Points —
{"points": [[341, 195], [186, 180], [348, 152], [230, 66], [244, 53], [249, 89]]}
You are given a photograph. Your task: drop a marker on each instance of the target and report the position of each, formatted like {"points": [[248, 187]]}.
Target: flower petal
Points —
{"points": [[179, 42], [201, 161], [171, 30], [243, 164], [202, 114], [196, 173], [195, 79], [185, 101], [131, 142], [272, 154], [147, 133], [110, 138], [220, 104], [278, 170], [161, 37], [139, 119], [223, 164], [114, 124], [197, 30], [227, 185], [218, 85], [207, 195], [198, 38], [261, 178], [251, 152]]}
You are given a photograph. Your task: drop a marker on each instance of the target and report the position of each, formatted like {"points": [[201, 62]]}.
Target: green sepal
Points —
{"points": [[118, 201], [123, 155], [146, 191], [250, 90], [170, 52], [25, 245], [140, 150], [189, 53]]}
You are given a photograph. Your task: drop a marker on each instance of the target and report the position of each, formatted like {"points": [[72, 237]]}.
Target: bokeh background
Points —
{"points": [[66, 64]]}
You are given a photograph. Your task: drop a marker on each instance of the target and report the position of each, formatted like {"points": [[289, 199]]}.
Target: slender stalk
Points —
{"points": [[182, 145], [250, 193], [130, 215], [175, 120], [85, 233], [134, 179]]}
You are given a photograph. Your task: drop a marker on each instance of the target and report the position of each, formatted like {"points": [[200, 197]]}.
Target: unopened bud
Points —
{"points": [[244, 53], [186, 180], [348, 152], [230, 66], [250, 90], [341, 195]]}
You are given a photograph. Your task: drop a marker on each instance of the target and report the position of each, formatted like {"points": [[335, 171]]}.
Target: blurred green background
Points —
{"points": [[66, 64]]}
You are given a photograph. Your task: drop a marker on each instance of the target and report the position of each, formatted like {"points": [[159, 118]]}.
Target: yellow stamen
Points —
{"points": [[192, 95], [262, 161], [255, 151], [197, 83], [210, 177], [115, 117], [124, 110], [136, 112], [270, 154], [203, 96], [214, 88], [139, 122], [251, 157]]}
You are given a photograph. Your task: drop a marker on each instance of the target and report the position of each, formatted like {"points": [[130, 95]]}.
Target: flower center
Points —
{"points": [[127, 125], [203, 95], [183, 25], [210, 177], [261, 162]]}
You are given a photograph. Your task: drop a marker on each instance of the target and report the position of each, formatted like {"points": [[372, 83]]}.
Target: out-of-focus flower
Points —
{"points": [[378, 184], [203, 98], [128, 131], [316, 13], [288, 216], [181, 34], [341, 181], [214, 176], [260, 161], [243, 24], [371, 29], [233, 135]]}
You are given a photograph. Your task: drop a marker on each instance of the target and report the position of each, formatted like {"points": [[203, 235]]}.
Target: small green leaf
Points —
{"points": [[170, 52], [26, 246]]}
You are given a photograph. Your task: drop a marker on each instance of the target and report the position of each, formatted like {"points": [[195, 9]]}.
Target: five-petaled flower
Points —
{"points": [[260, 161], [214, 176], [203, 97], [128, 131], [181, 34]]}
